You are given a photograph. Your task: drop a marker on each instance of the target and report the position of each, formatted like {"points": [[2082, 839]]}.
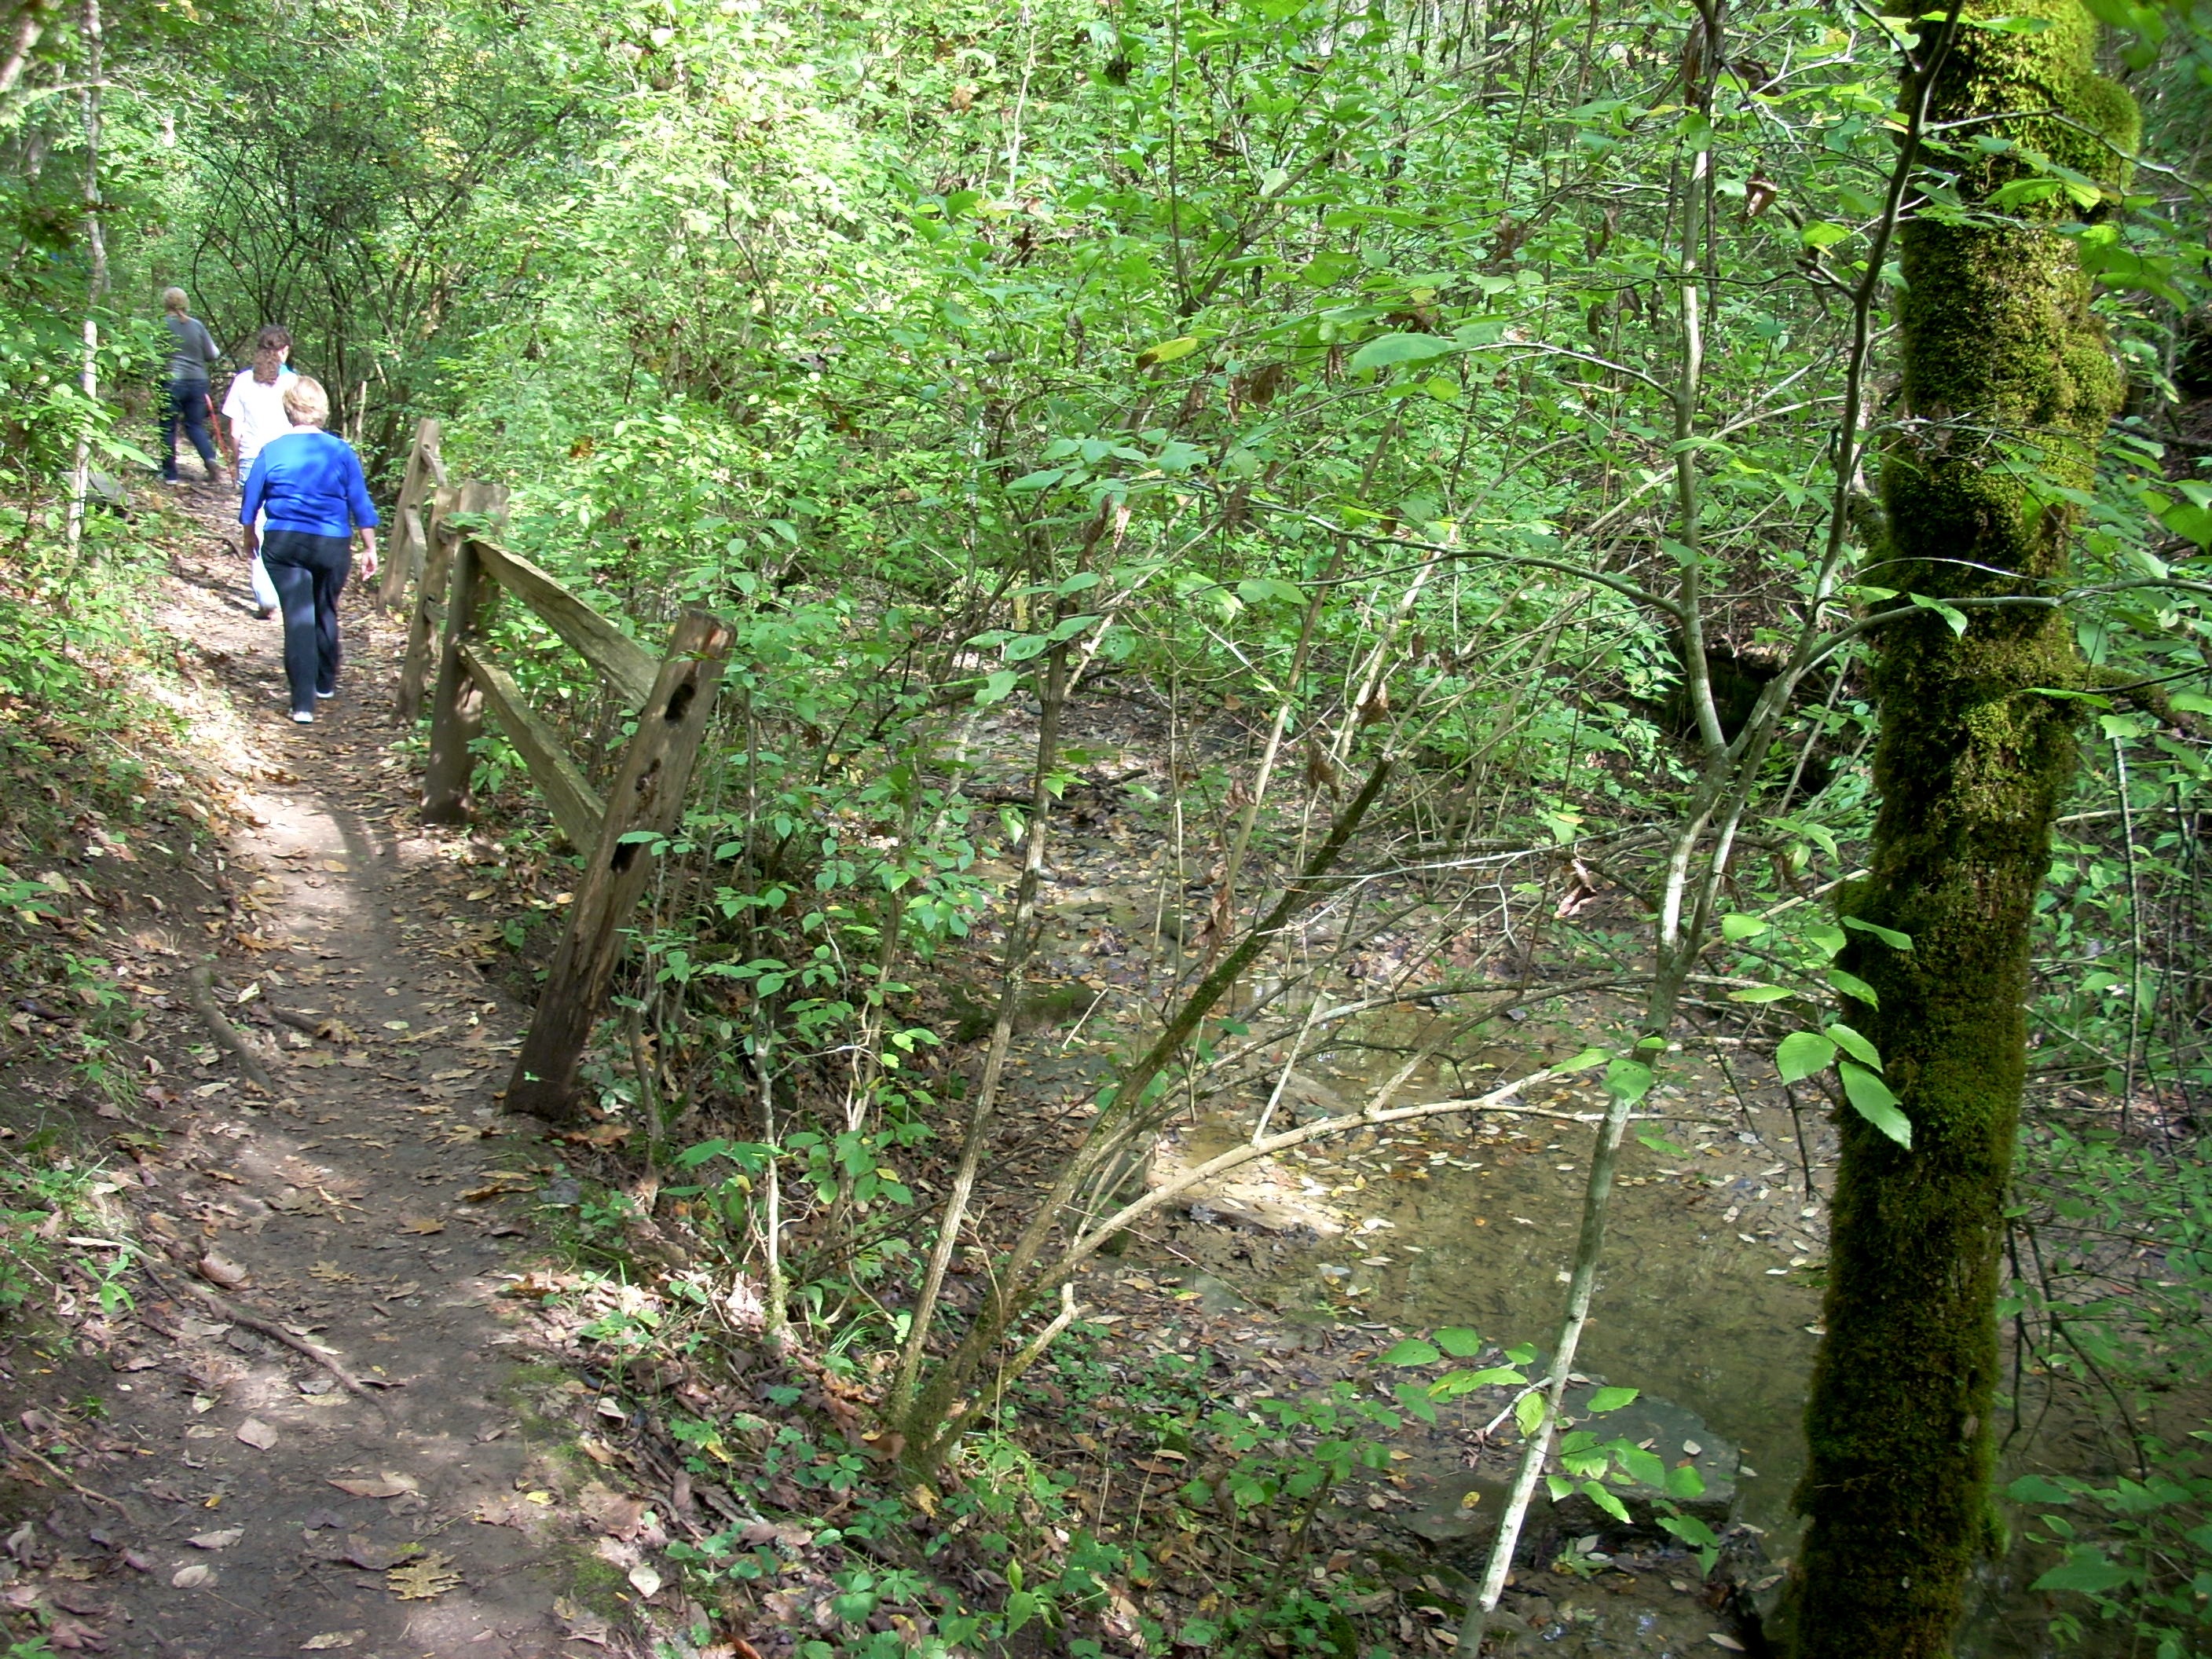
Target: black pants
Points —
{"points": [[188, 406], [310, 573]]}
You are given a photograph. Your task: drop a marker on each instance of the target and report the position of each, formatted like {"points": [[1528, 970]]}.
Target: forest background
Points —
{"points": [[1486, 402]]}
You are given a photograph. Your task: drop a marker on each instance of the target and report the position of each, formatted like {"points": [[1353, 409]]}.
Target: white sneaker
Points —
{"points": [[303, 719], [326, 695]]}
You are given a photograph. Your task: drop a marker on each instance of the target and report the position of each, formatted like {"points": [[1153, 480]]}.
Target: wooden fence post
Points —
{"points": [[647, 795], [404, 546], [457, 709], [427, 613]]}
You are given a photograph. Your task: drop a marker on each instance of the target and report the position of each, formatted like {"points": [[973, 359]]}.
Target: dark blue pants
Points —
{"points": [[187, 406], [310, 573]]}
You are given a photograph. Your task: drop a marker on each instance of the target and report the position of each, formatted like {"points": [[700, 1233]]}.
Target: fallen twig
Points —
{"points": [[269, 1329], [226, 1034], [64, 1476]]}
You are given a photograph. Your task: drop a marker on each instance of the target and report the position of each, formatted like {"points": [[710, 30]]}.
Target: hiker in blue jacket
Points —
{"points": [[310, 486]]}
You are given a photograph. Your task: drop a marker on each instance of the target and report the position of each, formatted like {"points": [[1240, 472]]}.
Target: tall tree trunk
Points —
{"points": [[96, 235], [2007, 388]]}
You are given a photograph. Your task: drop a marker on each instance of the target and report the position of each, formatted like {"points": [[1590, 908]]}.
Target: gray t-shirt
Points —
{"points": [[195, 351]]}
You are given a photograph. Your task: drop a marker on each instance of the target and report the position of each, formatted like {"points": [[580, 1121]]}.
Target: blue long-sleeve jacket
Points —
{"points": [[309, 481]]}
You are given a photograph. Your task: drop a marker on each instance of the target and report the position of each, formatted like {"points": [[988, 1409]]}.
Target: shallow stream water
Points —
{"points": [[1710, 1298]]}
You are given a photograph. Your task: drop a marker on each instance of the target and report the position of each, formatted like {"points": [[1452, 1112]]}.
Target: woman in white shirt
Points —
{"points": [[253, 415]]}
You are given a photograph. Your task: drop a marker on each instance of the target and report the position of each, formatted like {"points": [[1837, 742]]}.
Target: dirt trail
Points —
{"points": [[258, 1507]]}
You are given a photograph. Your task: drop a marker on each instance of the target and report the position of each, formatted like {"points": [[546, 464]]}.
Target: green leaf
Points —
{"points": [[1871, 1098], [1688, 1527], [1044, 480], [2193, 702], [1683, 1480], [2087, 1571], [1762, 994], [1529, 1414], [1803, 1053], [1888, 936], [1583, 1061], [1852, 985], [1822, 233], [1166, 351], [1605, 1500], [2034, 1489], [1412, 1352], [1829, 940], [1453, 1384], [1736, 925], [1611, 1399], [1459, 1342], [1855, 1046], [1628, 1080], [1953, 618], [998, 688], [1640, 1466], [1417, 1400], [1391, 349]]}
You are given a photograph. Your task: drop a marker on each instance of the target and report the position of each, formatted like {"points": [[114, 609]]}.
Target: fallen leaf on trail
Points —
{"points": [[420, 1581], [584, 1625], [330, 1273], [395, 1024], [492, 1189], [256, 1433], [620, 1517], [421, 1224], [220, 1270], [337, 1638], [398, 1291], [612, 1408], [383, 1485], [645, 1580], [73, 1638], [334, 866], [597, 1450], [542, 1499], [188, 1577], [216, 1541], [366, 1553], [1728, 1642]]}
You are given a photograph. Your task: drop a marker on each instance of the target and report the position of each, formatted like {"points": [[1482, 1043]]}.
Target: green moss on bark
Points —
{"points": [[2008, 387]]}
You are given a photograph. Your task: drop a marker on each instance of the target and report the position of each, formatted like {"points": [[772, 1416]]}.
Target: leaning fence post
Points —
{"points": [[646, 798], [457, 708], [406, 552], [427, 610]]}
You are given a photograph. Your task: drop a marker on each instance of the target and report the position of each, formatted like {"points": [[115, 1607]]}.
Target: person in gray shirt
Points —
{"points": [[193, 355]]}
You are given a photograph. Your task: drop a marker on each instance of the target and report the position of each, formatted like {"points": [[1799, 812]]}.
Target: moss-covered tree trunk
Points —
{"points": [[2008, 387]]}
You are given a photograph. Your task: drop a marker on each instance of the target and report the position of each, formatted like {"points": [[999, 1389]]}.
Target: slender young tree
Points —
{"points": [[2008, 386]]}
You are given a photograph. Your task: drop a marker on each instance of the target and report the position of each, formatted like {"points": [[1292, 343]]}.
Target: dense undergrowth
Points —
{"points": [[1428, 429]]}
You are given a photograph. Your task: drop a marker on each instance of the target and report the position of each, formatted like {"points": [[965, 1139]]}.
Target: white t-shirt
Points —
{"points": [[256, 413]]}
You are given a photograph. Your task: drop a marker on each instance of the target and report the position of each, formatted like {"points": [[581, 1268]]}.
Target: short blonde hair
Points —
{"points": [[175, 299], [307, 403]]}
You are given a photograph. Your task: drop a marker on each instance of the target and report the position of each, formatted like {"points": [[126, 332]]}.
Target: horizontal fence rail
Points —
{"points": [[458, 570]]}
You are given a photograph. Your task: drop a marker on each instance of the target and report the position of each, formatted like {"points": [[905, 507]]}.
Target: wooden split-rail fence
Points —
{"points": [[447, 568]]}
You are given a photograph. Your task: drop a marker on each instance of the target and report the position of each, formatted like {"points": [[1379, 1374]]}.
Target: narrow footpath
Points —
{"points": [[313, 1433]]}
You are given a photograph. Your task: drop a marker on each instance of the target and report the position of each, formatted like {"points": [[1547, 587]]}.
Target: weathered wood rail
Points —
{"points": [[458, 571]]}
